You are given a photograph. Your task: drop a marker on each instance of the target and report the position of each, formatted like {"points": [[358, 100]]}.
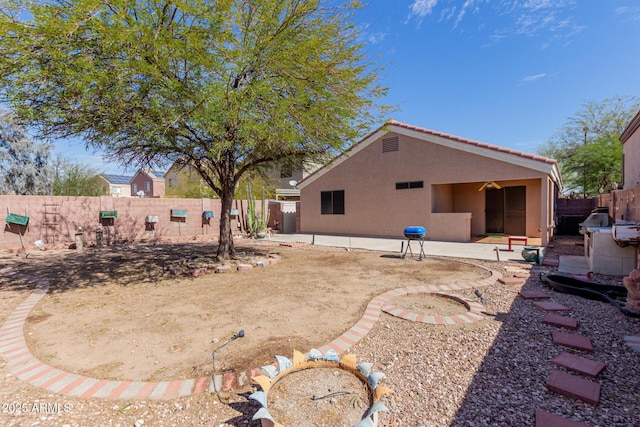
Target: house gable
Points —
{"points": [[487, 151], [150, 182]]}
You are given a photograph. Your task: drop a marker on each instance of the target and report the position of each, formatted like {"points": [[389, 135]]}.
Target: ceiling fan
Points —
{"points": [[490, 184]]}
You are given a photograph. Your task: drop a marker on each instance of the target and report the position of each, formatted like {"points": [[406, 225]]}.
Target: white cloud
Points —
{"points": [[551, 20], [534, 77], [375, 38], [630, 13], [422, 8]]}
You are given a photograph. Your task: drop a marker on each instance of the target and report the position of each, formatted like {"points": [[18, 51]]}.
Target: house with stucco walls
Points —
{"points": [[630, 139], [402, 175]]}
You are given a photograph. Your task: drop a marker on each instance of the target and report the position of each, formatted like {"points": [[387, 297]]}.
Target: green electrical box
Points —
{"points": [[17, 219], [108, 214]]}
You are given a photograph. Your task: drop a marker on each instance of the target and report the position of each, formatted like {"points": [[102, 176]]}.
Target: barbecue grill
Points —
{"points": [[415, 233]]}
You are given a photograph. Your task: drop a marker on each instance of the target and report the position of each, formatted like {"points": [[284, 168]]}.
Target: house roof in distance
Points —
{"points": [[117, 179], [157, 173], [508, 155]]}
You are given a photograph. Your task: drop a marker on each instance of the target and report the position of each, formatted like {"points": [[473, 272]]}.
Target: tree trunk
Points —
{"points": [[225, 241]]}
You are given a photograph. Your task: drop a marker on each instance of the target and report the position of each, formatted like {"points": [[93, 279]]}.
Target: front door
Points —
{"points": [[505, 210], [494, 210]]}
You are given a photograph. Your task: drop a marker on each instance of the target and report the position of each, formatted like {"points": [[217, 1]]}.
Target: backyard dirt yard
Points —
{"points": [[119, 313]]}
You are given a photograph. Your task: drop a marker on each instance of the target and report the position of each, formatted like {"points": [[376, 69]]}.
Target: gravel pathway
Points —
{"points": [[487, 373]]}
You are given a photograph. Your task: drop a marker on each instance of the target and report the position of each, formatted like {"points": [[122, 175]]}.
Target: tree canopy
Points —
{"points": [[75, 179], [227, 86], [588, 148], [24, 168]]}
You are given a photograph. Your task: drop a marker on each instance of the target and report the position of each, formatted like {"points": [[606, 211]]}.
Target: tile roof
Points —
{"points": [[472, 142], [552, 168], [117, 179]]}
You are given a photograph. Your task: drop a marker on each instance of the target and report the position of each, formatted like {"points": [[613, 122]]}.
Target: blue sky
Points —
{"points": [[504, 72]]}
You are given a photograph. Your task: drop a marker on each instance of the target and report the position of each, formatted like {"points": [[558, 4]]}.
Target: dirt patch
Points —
{"points": [[120, 314], [430, 304]]}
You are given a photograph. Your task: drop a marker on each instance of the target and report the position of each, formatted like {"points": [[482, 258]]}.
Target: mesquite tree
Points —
{"points": [[224, 86]]}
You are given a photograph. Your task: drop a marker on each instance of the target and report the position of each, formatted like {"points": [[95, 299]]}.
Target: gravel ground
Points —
{"points": [[489, 373]]}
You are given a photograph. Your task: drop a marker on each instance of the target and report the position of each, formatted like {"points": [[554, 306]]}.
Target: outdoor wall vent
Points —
{"points": [[390, 144]]}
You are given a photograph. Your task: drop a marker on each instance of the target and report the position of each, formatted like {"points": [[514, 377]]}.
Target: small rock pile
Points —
{"points": [[198, 266]]}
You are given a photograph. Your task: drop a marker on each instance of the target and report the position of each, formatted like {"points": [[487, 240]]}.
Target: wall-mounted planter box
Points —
{"points": [[152, 219], [108, 214], [17, 219], [177, 213], [207, 214]]}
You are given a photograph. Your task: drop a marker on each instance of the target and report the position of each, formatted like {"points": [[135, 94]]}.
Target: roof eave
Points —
{"points": [[631, 128]]}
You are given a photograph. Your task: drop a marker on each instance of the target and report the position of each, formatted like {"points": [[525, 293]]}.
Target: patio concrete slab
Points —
{"points": [[398, 245], [574, 386], [581, 365]]}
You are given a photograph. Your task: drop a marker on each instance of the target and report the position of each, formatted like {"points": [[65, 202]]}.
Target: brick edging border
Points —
{"points": [[26, 367]]}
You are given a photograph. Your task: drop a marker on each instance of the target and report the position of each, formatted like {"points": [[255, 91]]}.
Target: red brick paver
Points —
{"points": [[574, 386], [579, 342], [581, 365], [547, 419], [551, 306], [562, 321], [533, 294]]}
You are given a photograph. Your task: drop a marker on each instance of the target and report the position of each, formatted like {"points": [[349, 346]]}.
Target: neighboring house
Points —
{"points": [[402, 175], [182, 180], [148, 183], [285, 181], [630, 139], [116, 185]]}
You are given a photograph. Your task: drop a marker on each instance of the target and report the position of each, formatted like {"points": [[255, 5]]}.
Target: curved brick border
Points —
{"points": [[375, 306], [473, 314], [25, 366]]}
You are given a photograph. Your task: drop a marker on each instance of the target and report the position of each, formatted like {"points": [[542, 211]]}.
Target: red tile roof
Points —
{"points": [[472, 142]]}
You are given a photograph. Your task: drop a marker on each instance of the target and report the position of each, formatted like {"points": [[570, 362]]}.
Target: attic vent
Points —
{"points": [[390, 144]]}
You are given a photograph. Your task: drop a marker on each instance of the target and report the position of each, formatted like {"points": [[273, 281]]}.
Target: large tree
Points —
{"points": [[227, 86], [588, 148], [24, 167]]}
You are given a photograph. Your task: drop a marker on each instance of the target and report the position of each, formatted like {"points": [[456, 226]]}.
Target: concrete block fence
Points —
{"points": [[55, 220]]}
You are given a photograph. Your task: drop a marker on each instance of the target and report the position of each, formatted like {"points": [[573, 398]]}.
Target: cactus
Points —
{"points": [[256, 221]]}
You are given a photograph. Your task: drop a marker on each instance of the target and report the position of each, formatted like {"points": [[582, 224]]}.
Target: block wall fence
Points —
{"points": [[55, 220]]}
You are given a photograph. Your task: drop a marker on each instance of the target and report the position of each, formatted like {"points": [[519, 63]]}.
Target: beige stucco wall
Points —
{"points": [[631, 165], [374, 207], [71, 213]]}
